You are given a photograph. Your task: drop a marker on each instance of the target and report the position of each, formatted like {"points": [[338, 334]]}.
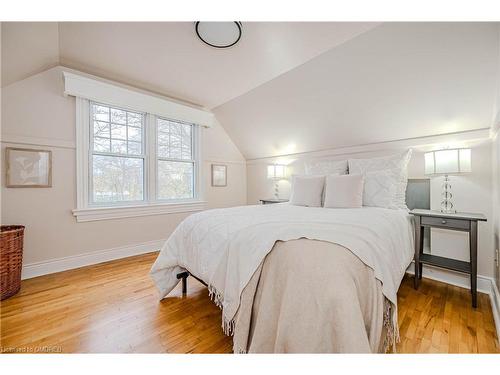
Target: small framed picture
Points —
{"points": [[219, 175], [28, 167]]}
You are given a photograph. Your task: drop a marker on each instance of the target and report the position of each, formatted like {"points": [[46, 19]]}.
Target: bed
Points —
{"points": [[297, 279]]}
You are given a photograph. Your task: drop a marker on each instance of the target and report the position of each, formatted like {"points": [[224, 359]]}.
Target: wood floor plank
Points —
{"points": [[113, 308]]}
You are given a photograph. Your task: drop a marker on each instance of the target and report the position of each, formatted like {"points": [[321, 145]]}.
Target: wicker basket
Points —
{"points": [[11, 259]]}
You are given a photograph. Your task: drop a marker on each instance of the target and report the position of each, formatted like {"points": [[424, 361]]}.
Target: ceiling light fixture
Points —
{"points": [[219, 34]]}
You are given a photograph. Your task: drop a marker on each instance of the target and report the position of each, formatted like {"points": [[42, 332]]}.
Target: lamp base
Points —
{"points": [[446, 203]]}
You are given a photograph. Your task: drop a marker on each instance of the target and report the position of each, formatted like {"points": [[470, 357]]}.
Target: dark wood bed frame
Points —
{"points": [[418, 195]]}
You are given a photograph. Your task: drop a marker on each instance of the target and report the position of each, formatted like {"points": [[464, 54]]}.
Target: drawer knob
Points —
{"points": [[443, 222]]}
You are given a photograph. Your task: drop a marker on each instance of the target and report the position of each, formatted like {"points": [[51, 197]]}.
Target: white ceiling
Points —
{"points": [[396, 81], [288, 87], [169, 59]]}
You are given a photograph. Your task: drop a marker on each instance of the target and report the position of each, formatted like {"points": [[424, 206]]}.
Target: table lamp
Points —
{"points": [[276, 172], [447, 162]]}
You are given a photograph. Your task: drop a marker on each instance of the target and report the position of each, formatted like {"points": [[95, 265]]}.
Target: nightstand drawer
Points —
{"points": [[445, 222]]}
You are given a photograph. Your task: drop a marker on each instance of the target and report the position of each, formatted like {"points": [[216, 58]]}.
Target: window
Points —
{"points": [[118, 158], [137, 154], [175, 159], [136, 163]]}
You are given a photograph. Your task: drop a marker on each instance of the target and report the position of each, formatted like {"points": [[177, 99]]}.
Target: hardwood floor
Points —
{"points": [[113, 307]]}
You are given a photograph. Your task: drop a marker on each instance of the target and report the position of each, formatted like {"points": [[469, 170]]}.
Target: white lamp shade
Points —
{"points": [[276, 171], [449, 161]]}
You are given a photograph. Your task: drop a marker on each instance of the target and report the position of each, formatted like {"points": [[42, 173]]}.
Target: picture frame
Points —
{"points": [[28, 168], [219, 175]]}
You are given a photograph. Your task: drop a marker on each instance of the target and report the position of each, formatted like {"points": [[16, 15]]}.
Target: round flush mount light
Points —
{"points": [[219, 34]]}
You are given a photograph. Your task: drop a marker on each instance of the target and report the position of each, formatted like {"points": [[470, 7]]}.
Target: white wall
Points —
{"points": [[36, 114], [496, 202], [472, 193], [496, 174]]}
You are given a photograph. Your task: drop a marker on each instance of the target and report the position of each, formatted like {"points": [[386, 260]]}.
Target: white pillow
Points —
{"points": [[326, 167], [380, 189], [397, 164], [344, 191], [307, 190]]}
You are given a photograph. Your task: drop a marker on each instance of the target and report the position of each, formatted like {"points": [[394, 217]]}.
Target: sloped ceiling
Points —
{"points": [[168, 57], [28, 48], [288, 87], [396, 81]]}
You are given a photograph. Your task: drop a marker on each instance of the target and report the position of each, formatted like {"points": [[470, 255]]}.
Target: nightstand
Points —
{"points": [[272, 200], [461, 221]]}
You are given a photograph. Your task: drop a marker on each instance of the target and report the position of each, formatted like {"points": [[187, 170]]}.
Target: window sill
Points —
{"points": [[109, 213]]}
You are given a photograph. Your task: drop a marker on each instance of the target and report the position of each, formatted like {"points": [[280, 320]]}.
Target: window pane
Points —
{"points": [[175, 140], [118, 146], [186, 141], [101, 129], [117, 179], [118, 116], [163, 151], [118, 132], [134, 134], [163, 126], [175, 146], [101, 144], [134, 119], [175, 180], [163, 138], [134, 148], [119, 125], [100, 112]]}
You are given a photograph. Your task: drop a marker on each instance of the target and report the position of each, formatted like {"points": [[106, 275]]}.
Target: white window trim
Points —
{"points": [[107, 213], [93, 88], [85, 212]]}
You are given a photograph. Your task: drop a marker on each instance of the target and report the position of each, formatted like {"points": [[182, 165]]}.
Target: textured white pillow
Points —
{"points": [[344, 191], [397, 164], [307, 190], [380, 189], [326, 167]]}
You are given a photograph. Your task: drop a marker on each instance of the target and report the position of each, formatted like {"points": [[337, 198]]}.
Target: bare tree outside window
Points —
{"points": [[120, 161], [117, 154], [175, 159]]}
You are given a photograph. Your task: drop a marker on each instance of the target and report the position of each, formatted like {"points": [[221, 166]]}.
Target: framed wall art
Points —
{"points": [[219, 175], [28, 167]]}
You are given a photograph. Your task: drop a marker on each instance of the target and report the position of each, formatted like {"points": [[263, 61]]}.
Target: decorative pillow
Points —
{"points": [[380, 189], [307, 190], [397, 164], [326, 167], [344, 191]]}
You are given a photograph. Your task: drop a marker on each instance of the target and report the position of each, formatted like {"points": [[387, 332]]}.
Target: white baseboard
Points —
{"points": [[485, 284], [495, 306], [67, 263]]}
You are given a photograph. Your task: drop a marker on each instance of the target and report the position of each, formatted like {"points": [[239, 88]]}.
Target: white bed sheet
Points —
{"points": [[225, 246]]}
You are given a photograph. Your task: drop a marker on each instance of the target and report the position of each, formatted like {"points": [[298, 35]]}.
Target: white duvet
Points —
{"points": [[225, 246]]}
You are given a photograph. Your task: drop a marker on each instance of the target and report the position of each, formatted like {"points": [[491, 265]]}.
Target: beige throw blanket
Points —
{"points": [[313, 296]]}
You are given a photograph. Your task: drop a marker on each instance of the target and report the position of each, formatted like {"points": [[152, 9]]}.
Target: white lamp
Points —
{"points": [[276, 172], [446, 162]]}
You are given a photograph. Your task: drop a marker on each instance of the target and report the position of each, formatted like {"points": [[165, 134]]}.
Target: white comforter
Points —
{"points": [[225, 246]]}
